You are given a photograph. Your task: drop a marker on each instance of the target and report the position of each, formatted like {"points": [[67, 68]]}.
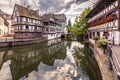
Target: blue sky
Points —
{"points": [[70, 8]]}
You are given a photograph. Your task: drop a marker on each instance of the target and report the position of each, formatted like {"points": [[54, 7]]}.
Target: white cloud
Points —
{"points": [[67, 1], [76, 9], [68, 7], [62, 11]]}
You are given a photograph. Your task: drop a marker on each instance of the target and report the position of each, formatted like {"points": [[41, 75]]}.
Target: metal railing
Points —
{"points": [[113, 60]]}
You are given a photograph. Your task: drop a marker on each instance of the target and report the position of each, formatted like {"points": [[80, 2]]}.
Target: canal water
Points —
{"points": [[51, 60]]}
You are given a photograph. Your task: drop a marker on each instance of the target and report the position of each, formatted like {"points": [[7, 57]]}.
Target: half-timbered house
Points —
{"points": [[26, 22], [105, 18]]}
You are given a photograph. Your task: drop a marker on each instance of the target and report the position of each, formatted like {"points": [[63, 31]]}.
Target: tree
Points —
{"points": [[69, 25], [80, 26]]}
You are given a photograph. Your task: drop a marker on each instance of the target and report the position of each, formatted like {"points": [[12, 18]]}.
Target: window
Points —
{"points": [[47, 29], [33, 21], [18, 19], [26, 19], [23, 18], [15, 19], [35, 28], [27, 27]]}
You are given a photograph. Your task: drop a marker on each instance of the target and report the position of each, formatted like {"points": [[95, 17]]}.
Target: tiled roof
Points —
{"points": [[47, 17], [60, 17], [27, 12]]}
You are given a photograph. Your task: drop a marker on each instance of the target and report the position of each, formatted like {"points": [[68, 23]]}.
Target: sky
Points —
{"points": [[70, 8]]}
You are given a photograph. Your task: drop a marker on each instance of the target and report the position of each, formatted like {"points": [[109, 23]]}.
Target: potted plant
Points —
{"points": [[102, 43]]}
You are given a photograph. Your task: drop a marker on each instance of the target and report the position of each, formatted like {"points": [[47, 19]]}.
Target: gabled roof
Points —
{"points": [[27, 12]]}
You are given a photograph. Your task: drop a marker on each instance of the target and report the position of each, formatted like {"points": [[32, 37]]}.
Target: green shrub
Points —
{"points": [[102, 43]]}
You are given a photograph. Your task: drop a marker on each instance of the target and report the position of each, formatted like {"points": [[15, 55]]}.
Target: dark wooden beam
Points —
{"points": [[108, 12]]}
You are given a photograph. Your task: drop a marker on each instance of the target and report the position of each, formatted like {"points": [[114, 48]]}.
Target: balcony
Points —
{"points": [[105, 11], [30, 23], [26, 30]]}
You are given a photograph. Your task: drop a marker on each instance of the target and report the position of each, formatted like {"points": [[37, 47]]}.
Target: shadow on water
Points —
{"points": [[51, 60]]}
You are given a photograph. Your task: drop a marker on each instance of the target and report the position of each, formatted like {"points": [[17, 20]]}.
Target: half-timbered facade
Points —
{"points": [[26, 22], [105, 18], [52, 28], [62, 20]]}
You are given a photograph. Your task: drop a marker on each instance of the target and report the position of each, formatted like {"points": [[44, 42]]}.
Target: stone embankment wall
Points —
{"points": [[103, 62], [21, 42]]}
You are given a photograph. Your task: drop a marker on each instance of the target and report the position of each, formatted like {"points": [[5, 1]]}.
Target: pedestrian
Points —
{"points": [[110, 39]]}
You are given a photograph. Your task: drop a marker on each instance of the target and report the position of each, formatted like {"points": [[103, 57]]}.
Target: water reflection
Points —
{"points": [[86, 62], [52, 60]]}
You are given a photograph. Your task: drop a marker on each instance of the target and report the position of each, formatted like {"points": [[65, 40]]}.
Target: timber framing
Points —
{"points": [[104, 16]]}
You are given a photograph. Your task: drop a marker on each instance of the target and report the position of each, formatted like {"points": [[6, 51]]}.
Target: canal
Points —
{"points": [[50, 60]]}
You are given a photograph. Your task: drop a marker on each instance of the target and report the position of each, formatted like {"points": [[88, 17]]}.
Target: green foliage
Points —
{"points": [[80, 25], [102, 42], [69, 25]]}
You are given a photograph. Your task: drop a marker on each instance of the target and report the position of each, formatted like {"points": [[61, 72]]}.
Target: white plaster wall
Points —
{"points": [[2, 30], [51, 36], [5, 29], [116, 37], [65, 30], [58, 35], [101, 34]]}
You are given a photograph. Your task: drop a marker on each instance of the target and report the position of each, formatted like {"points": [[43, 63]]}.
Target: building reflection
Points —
{"points": [[26, 59], [5, 55], [87, 63]]}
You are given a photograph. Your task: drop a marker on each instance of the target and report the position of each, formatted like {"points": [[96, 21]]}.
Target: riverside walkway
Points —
{"points": [[116, 58]]}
